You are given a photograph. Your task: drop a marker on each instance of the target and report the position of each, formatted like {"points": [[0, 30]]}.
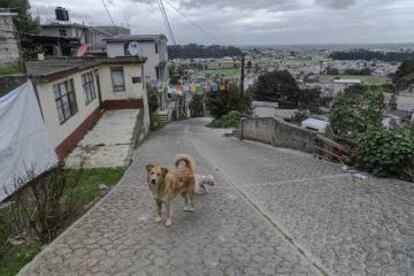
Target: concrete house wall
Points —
{"points": [[133, 95], [9, 50], [154, 59], [62, 135], [72, 31]]}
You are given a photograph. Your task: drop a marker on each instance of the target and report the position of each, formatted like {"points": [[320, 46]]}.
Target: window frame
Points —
{"points": [[122, 88], [65, 100], [157, 73], [88, 84]]}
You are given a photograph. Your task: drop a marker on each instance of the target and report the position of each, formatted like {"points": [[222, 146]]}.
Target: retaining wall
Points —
{"points": [[278, 133]]}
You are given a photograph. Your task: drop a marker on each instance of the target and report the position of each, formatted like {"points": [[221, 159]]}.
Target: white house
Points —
{"points": [[73, 93], [154, 48]]}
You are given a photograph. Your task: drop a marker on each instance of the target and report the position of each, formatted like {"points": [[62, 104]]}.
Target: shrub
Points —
{"points": [[196, 105], [221, 103], [230, 120], [355, 111], [387, 152], [152, 98], [155, 122]]}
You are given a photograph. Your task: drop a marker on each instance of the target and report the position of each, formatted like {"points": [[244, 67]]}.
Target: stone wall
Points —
{"points": [[278, 133], [7, 84], [9, 51]]}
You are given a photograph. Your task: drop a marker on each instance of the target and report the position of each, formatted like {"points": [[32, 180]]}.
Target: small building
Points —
{"points": [[8, 39], [74, 92], [154, 48], [65, 29], [52, 46], [96, 36]]}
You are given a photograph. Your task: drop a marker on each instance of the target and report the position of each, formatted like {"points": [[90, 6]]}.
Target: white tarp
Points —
{"points": [[24, 142]]}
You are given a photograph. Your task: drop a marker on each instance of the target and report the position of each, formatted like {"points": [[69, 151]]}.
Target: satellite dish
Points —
{"points": [[133, 48]]}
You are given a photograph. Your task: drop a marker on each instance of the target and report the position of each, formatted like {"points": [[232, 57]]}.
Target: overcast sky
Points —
{"points": [[252, 21]]}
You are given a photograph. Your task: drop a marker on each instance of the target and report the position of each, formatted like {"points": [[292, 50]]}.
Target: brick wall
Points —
{"points": [[278, 133]]}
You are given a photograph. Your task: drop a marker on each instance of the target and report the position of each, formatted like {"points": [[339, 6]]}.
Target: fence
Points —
{"points": [[278, 133]]}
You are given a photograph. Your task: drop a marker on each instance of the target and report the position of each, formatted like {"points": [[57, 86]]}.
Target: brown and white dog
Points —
{"points": [[165, 185]]}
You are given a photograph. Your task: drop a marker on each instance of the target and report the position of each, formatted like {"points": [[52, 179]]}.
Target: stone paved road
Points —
{"points": [[274, 212]]}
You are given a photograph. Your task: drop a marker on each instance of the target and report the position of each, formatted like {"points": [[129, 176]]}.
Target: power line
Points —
{"points": [[107, 11], [167, 22], [193, 23]]}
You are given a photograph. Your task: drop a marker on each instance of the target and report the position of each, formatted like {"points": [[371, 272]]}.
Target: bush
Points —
{"points": [[387, 152], [230, 120], [196, 105], [152, 98], [221, 103], [356, 111], [155, 122]]}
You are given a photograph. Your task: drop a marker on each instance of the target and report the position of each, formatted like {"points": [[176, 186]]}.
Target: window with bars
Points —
{"points": [[88, 87], [118, 81], [65, 99]]}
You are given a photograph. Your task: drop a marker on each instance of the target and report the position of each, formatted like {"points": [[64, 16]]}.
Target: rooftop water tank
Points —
{"points": [[61, 14]]}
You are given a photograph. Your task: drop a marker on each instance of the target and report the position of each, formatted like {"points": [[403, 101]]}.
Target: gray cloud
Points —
{"points": [[281, 5], [336, 4], [253, 21]]}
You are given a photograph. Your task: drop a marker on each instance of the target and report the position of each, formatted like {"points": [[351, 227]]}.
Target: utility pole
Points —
{"points": [[242, 75]]}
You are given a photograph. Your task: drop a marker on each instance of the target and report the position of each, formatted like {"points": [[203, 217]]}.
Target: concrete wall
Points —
{"points": [[9, 50], [71, 32], [277, 133], [59, 132], [116, 49], [132, 90]]}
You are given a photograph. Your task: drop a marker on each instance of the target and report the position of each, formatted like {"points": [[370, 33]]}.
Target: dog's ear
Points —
{"points": [[149, 167], [164, 171]]}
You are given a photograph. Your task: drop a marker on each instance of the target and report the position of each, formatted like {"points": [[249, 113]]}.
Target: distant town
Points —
{"points": [[290, 159]]}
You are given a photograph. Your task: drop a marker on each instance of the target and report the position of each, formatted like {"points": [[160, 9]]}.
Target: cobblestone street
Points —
{"points": [[273, 212]]}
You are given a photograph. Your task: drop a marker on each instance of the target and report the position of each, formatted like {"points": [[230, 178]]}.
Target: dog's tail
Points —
{"points": [[189, 162]]}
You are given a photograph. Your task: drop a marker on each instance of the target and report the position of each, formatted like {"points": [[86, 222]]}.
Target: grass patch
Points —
{"points": [[88, 190], [84, 194], [14, 257], [368, 80], [228, 73], [11, 69]]}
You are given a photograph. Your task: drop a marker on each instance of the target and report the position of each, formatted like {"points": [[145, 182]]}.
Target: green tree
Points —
{"points": [[196, 105], [355, 111], [24, 22], [404, 77], [310, 99], [152, 98], [276, 86], [221, 103]]}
